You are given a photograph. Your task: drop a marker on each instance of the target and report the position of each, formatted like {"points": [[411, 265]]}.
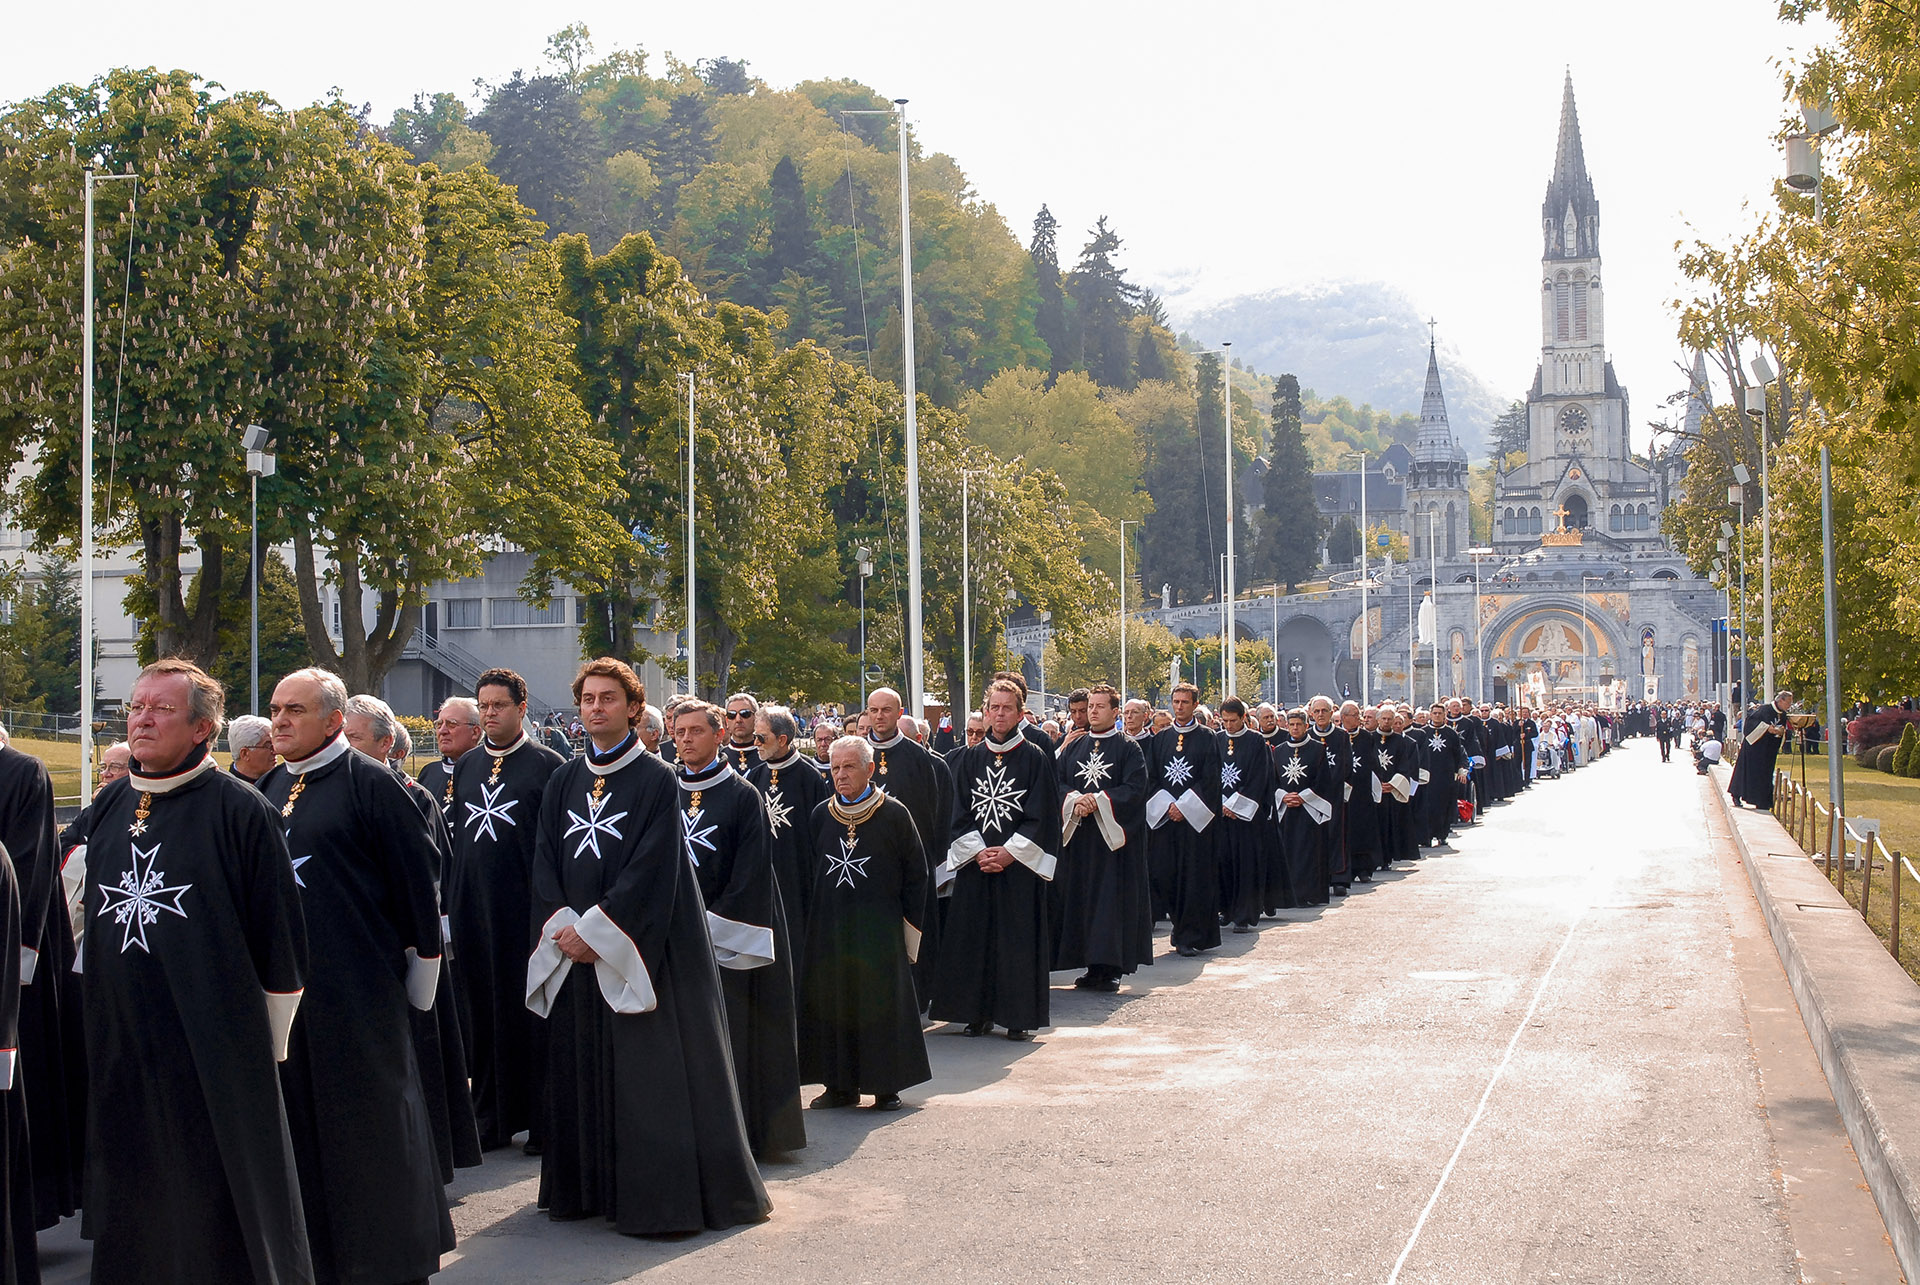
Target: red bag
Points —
{"points": [[1466, 811]]}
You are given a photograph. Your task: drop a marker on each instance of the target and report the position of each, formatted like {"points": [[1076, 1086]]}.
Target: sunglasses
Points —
{"points": [[739, 713]]}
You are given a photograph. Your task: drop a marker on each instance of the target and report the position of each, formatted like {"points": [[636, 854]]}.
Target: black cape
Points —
{"points": [[1183, 767], [1365, 845], [194, 931], [436, 778], [489, 908], [1437, 801], [1105, 920], [1303, 768], [1244, 840], [724, 822], [859, 1012], [646, 1128], [1333, 835], [924, 783], [1752, 780], [356, 1105], [793, 788]]}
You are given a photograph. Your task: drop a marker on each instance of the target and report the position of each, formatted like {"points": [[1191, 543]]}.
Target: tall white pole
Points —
{"points": [[1226, 393], [1365, 591], [1479, 639], [1412, 635], [1836, 782], [916, 676], [1433, 556], [86, 505], [966, 608], [1766, 555], [693, 668], [1123, 611], [253, 652]]}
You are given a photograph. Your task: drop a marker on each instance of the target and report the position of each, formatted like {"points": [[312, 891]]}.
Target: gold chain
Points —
{"points": [[140, 814], [293, 796], [446, 800], [498, 759], [599, 787], [693, 803]]}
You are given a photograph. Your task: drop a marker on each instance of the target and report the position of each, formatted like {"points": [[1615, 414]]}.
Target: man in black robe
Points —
{"points": [[496, 792], [645, 1126], [371, 728], [1360, 810], [1183, 800], [356, 1104], [1396, 768], [250, 742], [907, 771], [193, 970], [724, 821], [1304, 794], [859, 1015], [1446, 773], [1762, 732], [1105, 924], [1006, 825], [739, 750], [1324, 727], [1251, 875], [793, 788], [456, 733]]}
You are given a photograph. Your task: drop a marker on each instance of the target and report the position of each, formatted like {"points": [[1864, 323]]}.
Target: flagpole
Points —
{"points": [[693, 664], [916, 660], [1226, 643]]}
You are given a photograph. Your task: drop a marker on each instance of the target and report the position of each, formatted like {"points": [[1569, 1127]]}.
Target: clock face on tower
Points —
{"points": [[1574, 429]]}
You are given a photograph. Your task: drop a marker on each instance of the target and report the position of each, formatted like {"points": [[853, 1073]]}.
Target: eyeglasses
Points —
{"points": [[112, 771], [761, 738], [455, 722], [137, 708], [739, 713], [974, 733]]}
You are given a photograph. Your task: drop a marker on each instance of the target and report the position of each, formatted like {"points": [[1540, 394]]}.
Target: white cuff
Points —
{"points": [[943, 878], [913, 942], [1424, 776], [1238, 804], [29, 960], [423, 979], [7, 1059], [446, 931], [280, 1010], [1031, 855], [735, 945], [1318, 808], [1110, 829], [1401, 787], [1157, 809], [1195, 812], [962, 850], [1069, 820], [624, 981], [548, 967], [1376, 786], [1346, 792]]}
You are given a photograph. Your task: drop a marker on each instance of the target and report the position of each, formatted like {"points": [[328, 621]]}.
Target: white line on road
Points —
{"points": [[1481, 1110]]}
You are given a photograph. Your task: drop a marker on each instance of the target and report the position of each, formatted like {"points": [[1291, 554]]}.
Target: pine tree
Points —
{"points": [[1050, 313], [683, 147], [1291, 527], [1176, 545], [1343, 546], [542, 144], [725, 76], [1904, 755], [1104, 300], [1509, 431], [791, 241]]}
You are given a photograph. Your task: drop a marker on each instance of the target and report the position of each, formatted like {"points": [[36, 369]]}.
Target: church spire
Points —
{"points": [[1570, 189], [1435, 444]]}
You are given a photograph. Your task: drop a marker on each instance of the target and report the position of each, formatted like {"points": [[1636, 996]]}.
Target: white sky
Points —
{"points": [[1236, 147]]}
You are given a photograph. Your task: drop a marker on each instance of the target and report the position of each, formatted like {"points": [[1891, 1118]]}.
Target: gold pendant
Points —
{"points": [[883, 763], [293, 796], [446, 800], [140, 814], [497, 761], [599, 787]]}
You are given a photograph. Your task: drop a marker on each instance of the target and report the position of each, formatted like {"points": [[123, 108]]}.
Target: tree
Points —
{"points": [[1509, 432], [1050, 310], [543, 145], [790, 238], [1103, 302], [53, 660], [283, 645], [725, 76], [1095, 657], [1291, 525], [1343, 545], [683, 147], [1177, 546]]}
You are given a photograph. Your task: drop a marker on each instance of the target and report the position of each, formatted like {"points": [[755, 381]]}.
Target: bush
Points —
{"points": [[1870, 731], [1886, 757], [1903, 754], [1865, 754]]}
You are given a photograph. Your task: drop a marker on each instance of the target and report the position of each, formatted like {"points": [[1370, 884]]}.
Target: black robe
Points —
{"points": [[1472, 733], [910, 773], [724, 822], [997, 957], [793, 788], [1338, 747], [1301, 767], [1436, 804], [195, 956], [1752, 780], [645, 1130], [1105, 920], [1183, 767], [859, 1012], [52, 1052], [1249, 859], [1365, 845], [436, 778], [1396, 763], [744, 758], [488, 908], [356, 1102]]}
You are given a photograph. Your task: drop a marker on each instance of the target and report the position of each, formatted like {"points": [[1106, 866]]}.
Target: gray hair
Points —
{"points": [[780, 721], [863, 748], [651, 717], [752, 704], [402, 741], [245, 732], [333, 692], [375, 711], [469, 708]]}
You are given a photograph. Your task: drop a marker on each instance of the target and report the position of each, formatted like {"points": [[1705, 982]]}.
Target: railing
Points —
{"points": [[1820, 831], [462, 666]]}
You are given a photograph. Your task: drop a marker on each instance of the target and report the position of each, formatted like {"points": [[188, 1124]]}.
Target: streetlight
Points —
{"points": [[1294, 670], [1124, 524], [1725, 544], [1365, 627], [864, 556], [260, 463], [1763, 371], [693, 655], [1226, 636], [1479, 650], [1737, 494], [966, 599]]}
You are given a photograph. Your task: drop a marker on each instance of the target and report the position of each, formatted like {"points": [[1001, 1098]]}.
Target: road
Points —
{"points": [[1530, 1059]]}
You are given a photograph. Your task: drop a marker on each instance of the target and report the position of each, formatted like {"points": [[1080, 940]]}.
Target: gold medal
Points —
{"points": [[293, 796], [140, 813]]}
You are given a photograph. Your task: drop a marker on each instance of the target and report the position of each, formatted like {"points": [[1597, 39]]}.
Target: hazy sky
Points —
{"points": [[1236, 147]]}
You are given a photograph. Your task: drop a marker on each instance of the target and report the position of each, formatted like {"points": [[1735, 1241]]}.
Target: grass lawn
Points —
{"points": [[63, 765], [1895, 802]]}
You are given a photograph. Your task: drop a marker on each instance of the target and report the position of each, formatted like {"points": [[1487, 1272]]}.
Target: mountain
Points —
{"points": [[1361, 339]]}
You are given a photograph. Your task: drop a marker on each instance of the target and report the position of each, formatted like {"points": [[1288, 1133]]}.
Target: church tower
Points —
{"points": [[1437, 478]]}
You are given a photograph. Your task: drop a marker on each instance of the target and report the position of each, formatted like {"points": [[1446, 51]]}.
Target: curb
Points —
{"points": [[1861, 1010]]}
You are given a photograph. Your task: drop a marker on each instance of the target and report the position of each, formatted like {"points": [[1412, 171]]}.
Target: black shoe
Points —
{"points": [[1019, 1036], [1243, 928], [974, 1030], [1188, 952], [886, 1102], [532, 1148], [1107, 985], [1340, 889], [1085, 982], [834, 1098]]}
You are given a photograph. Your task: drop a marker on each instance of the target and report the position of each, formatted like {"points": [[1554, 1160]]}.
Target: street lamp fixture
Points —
{"points": [[864, 556], [260, 463]]}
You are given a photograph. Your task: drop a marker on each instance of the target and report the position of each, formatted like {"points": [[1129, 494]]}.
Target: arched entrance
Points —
{"points": [[1303, 654], [1553, 651]]}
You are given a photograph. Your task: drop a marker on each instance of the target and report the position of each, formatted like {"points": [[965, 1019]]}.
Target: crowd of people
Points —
{"points": [[266, 1011]]}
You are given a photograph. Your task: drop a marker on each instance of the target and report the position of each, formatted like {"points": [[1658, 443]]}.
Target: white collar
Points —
{"points": [[793, 754], [1101, 736], [1244, 729], [726, 770], [487, 745], [633, 752], [163, 784], [878, 744], [1187, 726], [1300, 744], [326, 754], [1019, 739]]}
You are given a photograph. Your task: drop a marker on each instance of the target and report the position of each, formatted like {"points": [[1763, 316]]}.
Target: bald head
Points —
{"points": [[883, 713]]}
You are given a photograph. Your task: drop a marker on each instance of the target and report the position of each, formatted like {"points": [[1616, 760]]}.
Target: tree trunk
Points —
{"points": [[364, 658], [188, 634], [313, 615]]}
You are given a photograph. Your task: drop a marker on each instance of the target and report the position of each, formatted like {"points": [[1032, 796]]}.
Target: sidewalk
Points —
{"points": [[1862, 1013]]}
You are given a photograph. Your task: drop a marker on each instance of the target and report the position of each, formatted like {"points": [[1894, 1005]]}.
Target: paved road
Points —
{"points": [[1527, 1060]]}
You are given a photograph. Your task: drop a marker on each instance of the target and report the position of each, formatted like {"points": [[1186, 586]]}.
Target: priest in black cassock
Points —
{"points": [[1396, 768], [910, 773], [52, 1052], [645, 1125], [194, 962], [1762, 732], [1183, 800], [740, 749], [356, 1102], [1323, 726], [1106, 925], [1446, 764], [793, 788], [1006, 826], [859, 1015], [1304, 793], [1357, 786], [724, 821], [496, 792], [456, 733], [1251, 872]]}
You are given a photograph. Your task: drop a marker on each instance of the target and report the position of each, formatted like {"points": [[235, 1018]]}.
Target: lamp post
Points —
{"points": [[1763, 371], [1830, 593], [1365, 629], [1737, 495], [260, 463], [916, 648], [693, 654], [966, 598], [1124, 524], [1226, 635], [1479, 633], [864, 556]]}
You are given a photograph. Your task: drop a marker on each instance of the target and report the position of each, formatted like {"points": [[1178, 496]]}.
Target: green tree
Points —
{"points": [[1050, 307], [1508, 433], [1343, 545], [283, 646], [543, 144], [1903, 753], [1291, 524], [53, 660], [1103, 302], [1177, 546]]}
